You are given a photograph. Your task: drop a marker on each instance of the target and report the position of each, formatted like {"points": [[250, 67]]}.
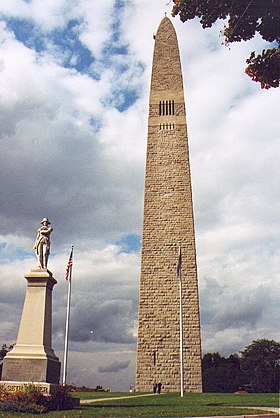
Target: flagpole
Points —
{"points": [[67, 320], [181, 321]]}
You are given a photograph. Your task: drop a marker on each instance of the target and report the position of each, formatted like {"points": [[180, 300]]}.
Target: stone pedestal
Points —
{"points": [[32, 359]]}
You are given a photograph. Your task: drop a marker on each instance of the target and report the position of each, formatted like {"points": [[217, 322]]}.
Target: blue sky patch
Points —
{"points": [[76, 54], [66, 47], [66, 40], [129, 243], [122, 99], [27, 33], [129, 98]]}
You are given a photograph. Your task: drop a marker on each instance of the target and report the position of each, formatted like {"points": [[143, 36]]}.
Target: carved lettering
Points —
{"points": [[44, 389]]}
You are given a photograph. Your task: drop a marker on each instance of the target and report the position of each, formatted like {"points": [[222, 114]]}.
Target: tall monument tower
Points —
{"points": [[168, 218]]}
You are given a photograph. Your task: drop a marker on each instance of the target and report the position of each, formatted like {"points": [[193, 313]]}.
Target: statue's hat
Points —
{"points": [[45, 220]]}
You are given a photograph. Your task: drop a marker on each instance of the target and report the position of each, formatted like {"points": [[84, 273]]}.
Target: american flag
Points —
{"points": [[179, 266], [69, 265]]}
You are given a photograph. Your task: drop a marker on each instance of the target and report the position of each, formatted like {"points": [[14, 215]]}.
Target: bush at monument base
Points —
{"points": [[30, 400]]}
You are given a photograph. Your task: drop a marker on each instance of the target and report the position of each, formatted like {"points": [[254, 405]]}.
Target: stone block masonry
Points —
{"points": [[168, 218]]}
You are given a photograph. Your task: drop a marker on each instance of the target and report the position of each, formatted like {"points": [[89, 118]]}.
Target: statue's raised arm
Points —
{"points": [[42, 243]]}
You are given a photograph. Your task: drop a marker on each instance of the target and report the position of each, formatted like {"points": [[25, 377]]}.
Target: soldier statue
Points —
{"points": [[42, 243]]}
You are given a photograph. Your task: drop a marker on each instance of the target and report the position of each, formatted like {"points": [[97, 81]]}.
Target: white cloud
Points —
{"points": [[97, 19], [47, 15]]}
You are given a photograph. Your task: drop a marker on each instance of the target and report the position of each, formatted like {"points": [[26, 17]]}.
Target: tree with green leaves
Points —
{"points": [[256, 368], [4, 350], [260, 362], [245, 18], [220, 374]]}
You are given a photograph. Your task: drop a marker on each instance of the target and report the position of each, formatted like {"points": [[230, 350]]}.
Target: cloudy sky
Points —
{"points": [[74, 77]]}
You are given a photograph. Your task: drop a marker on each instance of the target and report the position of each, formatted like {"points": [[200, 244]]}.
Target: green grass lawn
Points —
{"points": [[166, 405]]}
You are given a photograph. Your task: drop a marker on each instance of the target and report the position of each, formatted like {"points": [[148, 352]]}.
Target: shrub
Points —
{"points": [[21, 401], [61, 400], [30, 400]]}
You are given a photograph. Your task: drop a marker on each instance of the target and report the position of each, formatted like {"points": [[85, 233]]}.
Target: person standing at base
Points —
{"points": [[154, 388], [159, 386]]}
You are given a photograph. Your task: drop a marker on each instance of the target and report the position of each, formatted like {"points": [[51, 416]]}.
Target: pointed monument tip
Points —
{"points": [[165, 21], [165, 16], [165, 26], [166, 50]]}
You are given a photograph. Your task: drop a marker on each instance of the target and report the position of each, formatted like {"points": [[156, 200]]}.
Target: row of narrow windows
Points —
{"points": [[166, 108], [166, 126]]}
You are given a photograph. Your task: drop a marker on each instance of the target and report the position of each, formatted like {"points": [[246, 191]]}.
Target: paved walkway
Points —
{"points": [[268, 408], [85, 401], [243, 416]]}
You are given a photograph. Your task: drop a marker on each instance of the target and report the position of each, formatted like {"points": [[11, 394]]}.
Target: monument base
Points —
{"points": [[44, 388], [32, 359], [31, 370]]}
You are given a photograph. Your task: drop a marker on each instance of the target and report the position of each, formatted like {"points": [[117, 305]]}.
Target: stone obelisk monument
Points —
{"points": [[32, 360], [168, 218]]}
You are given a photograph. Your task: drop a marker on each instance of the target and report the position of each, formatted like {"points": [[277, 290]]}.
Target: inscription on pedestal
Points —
{"points": [[44, 388]]}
